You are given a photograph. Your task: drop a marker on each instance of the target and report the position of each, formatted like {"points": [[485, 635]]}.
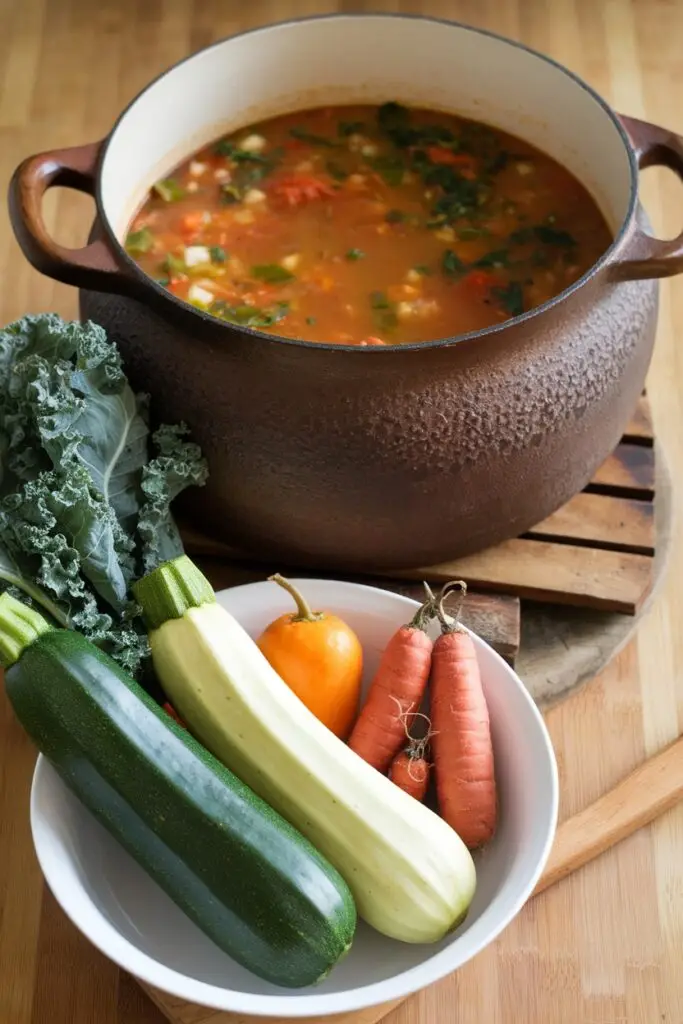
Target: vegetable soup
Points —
{"points": [[368, 226]]}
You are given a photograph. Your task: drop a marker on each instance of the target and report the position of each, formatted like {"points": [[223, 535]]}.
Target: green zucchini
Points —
{"points": [[245, 876]]}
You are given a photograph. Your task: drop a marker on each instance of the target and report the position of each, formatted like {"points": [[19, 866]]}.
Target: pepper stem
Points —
{"points": [[19, 627], [171, 590], [304, 612], [449, 623]]}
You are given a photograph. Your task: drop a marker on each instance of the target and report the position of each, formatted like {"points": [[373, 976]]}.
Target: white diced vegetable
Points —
{"points": [[222, 174], [195, 255], [253, 144], [524, 168], [291, 262], [369, 149], [414, 276], [446, 234], [197, 168], [254, 195], [192, 186], [201, 295]]}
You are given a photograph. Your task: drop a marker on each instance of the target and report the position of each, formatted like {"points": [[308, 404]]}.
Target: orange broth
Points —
{"points": [[368, 225]]}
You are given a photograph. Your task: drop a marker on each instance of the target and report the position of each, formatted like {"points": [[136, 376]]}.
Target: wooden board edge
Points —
{"points": [[179, 1011]]}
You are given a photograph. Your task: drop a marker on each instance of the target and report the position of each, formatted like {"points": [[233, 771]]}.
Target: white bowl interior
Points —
{"points": [[130, 919], [370, 59]]}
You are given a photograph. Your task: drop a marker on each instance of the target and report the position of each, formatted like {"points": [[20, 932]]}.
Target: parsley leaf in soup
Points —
{"points": [[552, 236], [272, 273], [169, 190], [511, 298], [139, 242], [452, 265], [497, 258], [390, 168], [303, 135], [249, 316]]}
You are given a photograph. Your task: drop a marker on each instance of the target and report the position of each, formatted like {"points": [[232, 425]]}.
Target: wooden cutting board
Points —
{"points": [[653, 788]]}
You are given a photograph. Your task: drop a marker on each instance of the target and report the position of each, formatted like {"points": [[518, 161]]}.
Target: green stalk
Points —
{"points": [[171, 590], [19, 627]]}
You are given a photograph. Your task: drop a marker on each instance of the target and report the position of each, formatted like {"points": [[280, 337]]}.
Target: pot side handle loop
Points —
{"points": [[643, 255], [94, 266]]}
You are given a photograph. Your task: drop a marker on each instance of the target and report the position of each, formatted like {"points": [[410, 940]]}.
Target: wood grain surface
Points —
{"points": [[601, 947]]}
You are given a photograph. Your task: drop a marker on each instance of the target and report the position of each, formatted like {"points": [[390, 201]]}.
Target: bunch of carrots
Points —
{"points": [[458, 726]]}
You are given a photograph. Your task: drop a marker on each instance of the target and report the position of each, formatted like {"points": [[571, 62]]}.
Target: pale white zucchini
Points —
{"points": [[411, 875]]}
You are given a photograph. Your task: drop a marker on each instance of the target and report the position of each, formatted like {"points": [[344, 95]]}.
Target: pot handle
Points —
{"points": [[644, 255], [94, 266]]}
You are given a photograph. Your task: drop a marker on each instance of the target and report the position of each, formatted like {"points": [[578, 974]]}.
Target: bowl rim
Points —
{"points": [[211, 322], [109, 941]]}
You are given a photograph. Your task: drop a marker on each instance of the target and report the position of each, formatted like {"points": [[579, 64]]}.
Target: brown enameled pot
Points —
{"points": [[346, 457]]}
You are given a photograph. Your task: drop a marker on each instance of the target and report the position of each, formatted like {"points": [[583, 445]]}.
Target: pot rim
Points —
{"points": [[210, 321]]}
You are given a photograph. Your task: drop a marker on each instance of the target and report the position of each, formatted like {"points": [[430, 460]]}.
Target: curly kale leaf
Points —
{"points": [[178, 465], [83, 509]]}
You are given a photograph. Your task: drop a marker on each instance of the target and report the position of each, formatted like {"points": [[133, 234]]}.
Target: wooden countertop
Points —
{"points": [[603, 947]]}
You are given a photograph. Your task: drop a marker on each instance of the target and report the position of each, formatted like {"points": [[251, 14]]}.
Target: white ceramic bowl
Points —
{"points": [[113, 902]]}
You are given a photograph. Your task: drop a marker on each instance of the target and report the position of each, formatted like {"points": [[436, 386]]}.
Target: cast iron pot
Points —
{"points": [[338, 456]]}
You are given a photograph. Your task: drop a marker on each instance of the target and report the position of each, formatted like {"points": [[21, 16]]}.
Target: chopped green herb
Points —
{"points": [[169, 190], [522, 236], [395, 217], [163, 281], [224, 147], [390, 168], [249, 316], [355, 254], [311, 321], [469, 234], [383, 310], [391, 116], [272, 273], [497, 258], [496, 163], [511, 298], [174, 265], [551, 236], [139, 241], [452, 265], [423, 269], [229, 194], [379, 300], [335, 171], [346, 128], [317, 140], [218, 254]]}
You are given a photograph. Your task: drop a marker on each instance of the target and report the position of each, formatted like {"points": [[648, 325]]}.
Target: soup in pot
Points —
{"points": [[368, 226]]}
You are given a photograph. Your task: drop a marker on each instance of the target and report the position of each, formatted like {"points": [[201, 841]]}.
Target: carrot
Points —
{"points": [[463, 752], [396, 691], [170, 710], [296, 189], [192, 222], [442, 155], [410, 768]]}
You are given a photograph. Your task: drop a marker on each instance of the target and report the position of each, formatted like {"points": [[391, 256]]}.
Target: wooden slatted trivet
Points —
{"points": [[597, 551]]}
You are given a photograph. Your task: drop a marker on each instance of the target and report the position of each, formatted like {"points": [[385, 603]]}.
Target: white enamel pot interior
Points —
{"points": [[365, 59]]}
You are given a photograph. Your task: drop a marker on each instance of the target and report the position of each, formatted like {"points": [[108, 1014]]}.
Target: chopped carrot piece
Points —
{"points": [[463, 161], [482, 280], [296, 189], [192, 221]]}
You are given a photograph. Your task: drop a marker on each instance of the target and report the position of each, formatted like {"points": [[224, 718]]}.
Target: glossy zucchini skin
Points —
{"points": [[246, 877]]}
